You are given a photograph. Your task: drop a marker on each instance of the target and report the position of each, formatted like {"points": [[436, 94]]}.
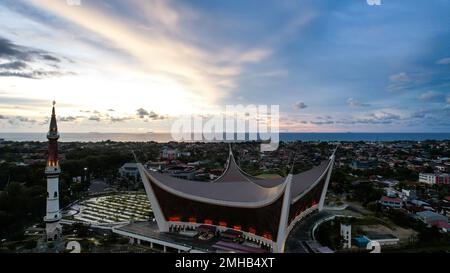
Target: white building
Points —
{"points": [[409, 194], [434, 178], [346, 235], [427, 178]]}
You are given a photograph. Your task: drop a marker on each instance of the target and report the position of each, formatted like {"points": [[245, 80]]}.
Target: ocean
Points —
{"points": [[166, 137]]}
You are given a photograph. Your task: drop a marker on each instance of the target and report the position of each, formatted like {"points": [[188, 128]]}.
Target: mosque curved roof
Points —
{"points": [[237, 188]]}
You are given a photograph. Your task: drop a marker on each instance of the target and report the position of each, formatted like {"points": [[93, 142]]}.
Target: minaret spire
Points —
{"points": [[52, 171], [53, 129]]}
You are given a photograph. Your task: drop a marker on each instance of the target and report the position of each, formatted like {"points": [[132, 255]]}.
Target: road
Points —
{"points": [[303, 231]]}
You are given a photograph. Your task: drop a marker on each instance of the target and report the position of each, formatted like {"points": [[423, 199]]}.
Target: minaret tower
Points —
{"points": [[53, 228]]}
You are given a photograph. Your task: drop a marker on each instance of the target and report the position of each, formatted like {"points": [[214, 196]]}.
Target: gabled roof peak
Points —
{"points": [[232, 171]]}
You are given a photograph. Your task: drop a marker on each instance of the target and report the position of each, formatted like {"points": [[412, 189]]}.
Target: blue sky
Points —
{"points": [[120, 66]]}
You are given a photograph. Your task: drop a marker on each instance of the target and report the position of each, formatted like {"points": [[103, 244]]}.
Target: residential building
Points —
{"points": [[409, 194], [129, 170], [346, 235], [434, 178], [443, 179], [442, 225], [427, 178], [429, 217], [392, 202], [169, 153]]}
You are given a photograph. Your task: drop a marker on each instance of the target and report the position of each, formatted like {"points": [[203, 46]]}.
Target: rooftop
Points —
{"points": [[428, 213], [251, 189], [390, 199]]}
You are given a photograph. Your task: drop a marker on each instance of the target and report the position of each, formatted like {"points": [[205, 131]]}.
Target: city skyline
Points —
{"points": [[133, 66]]}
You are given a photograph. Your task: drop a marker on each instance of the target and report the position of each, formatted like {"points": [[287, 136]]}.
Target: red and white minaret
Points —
{"points": [[52, 170]]}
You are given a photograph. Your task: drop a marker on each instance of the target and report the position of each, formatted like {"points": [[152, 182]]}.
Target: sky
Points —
{"points": [[136, 66]]}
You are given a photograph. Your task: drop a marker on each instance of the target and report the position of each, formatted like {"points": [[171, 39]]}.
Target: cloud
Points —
{"points": [[26, 62], [372, 121], [263, 74], [120, 119], [157, 42], [354, 103], [111, 110], [105, 117], [322, 122], [98, 117], [346, 121], [433, 96], [67, 119], [435, 114], [37, 74], [44, 122], [155, 116], [9, 50], [16, 65], [16, 120], [94, 118], [400, 77], [383, 115], [141, 112], [159, 12], [419, 114], [443, 61], [377, 118], [399, 81], [169, 18], [299, 105], [254, 55], [50, 58], [160, 39], [380, 117]]}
